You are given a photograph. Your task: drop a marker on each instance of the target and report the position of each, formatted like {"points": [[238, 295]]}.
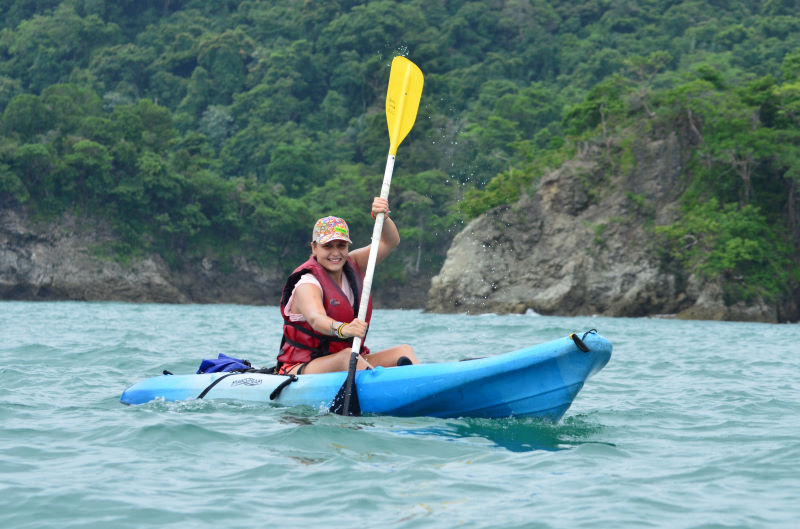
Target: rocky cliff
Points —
{"points": [[581, 243], [67, 259], [64, 260]]}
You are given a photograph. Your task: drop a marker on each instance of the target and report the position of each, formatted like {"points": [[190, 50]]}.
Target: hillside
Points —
{"points": [[220, 131], [584, 242]]}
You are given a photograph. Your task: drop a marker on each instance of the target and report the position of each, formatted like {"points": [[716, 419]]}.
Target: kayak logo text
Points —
{"points": [[246, 382]]}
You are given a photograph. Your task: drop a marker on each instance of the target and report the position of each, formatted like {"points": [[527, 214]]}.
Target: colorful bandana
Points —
{"points": [[330, 229]]}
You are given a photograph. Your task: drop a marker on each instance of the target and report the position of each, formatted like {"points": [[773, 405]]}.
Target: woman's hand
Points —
{"points": [[389, 240], [355, 328], [380, 205]]}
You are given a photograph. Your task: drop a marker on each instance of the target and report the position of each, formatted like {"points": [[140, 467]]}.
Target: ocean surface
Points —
{"points": [[691, 424]]}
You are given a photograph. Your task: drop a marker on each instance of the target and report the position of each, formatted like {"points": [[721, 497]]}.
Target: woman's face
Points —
{"points": [[332, 255]]}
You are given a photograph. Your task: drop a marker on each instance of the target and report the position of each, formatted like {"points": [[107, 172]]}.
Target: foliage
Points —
{"points": [[736, 244], [740, 216], [504, 188], [229, 126]]}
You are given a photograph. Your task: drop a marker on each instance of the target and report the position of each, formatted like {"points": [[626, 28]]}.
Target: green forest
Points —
{"points": [[228, 127]]}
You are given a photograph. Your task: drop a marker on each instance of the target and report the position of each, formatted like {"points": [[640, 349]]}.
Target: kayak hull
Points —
{"points": [[537, 381]]}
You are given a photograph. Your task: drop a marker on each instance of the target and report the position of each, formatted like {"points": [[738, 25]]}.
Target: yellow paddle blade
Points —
{"points": [[402, 100]]}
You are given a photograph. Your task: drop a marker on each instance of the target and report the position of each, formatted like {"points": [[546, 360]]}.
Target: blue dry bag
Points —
{"points": [[223, 363]]}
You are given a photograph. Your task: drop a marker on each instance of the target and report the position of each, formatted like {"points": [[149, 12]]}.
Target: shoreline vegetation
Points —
{"points": [[203, 139]]}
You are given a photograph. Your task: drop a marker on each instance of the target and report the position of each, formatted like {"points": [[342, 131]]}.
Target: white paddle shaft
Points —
{"points": [[373, 252]]}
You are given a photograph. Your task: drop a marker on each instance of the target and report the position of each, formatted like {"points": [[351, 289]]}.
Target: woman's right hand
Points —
{"points": [[355, 328]]}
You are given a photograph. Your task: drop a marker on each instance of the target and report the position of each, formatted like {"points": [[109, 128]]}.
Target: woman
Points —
{"points": [[320, 302]]}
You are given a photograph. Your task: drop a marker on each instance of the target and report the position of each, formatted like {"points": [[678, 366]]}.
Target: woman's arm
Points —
{"points": [[390, 237]]}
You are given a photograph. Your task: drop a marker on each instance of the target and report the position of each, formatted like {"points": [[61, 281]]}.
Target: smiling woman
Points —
{"points": [[320, 302]]}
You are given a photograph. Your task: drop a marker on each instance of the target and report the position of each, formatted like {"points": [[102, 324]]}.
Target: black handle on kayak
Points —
{"points": [[579, 341], [277, 391]]}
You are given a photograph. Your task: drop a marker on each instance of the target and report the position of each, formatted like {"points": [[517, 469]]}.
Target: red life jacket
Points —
{"points": [[301, 343]]}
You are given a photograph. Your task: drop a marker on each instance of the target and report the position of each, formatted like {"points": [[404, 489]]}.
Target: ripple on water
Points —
{"points": [[691, 424]]}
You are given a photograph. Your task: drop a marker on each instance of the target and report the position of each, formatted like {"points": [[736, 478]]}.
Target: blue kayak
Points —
{"points": [[537, 381]]}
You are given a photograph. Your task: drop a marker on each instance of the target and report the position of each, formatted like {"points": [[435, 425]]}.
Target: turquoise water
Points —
{"points": [[691, 424]]}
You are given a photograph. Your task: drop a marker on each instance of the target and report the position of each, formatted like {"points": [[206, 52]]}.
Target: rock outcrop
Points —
{"points": [[68, 259], [582, 243], [65, 260]]}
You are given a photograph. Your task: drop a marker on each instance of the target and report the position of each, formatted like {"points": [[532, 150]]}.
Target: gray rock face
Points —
{"points": [[64, 261], [582, 244]]}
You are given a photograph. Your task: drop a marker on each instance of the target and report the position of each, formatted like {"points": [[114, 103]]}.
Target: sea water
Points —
{"points": [[691, 424]]}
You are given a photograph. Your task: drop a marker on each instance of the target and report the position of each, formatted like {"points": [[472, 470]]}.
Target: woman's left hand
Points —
{"points": [[389, 240], [380, 205]]}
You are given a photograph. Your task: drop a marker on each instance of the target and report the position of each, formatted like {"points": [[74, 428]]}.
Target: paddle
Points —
{"points": [[402, 102]]}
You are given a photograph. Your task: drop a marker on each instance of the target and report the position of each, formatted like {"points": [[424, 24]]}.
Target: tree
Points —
{"points": [[69, 104], [121, 63], [26, 116], [87, 172], [423, 205], [35, 166], [224, 58], [293, 167], [644, 70], [10, 184], [44, 49], [724, 240]]}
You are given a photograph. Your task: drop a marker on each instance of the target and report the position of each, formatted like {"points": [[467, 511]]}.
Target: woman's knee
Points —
{"points": [[407, 351]]}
